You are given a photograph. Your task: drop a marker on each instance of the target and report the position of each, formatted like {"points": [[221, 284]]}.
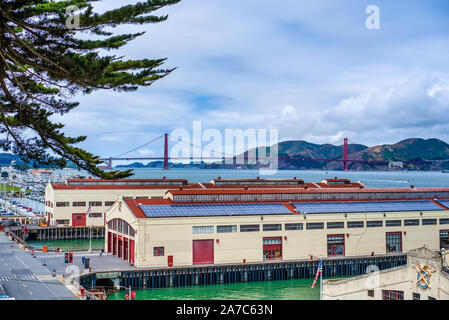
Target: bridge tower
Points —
{"points": [[345, 154], [166, 152]]}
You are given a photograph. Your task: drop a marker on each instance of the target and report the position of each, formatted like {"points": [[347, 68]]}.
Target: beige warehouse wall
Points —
{"points": [[175, 235], [87, 195]]}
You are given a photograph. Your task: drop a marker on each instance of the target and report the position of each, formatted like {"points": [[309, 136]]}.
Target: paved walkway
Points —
{"points": [[25, 278]]}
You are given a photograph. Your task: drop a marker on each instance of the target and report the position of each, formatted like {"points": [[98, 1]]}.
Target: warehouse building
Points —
{"points": [[67, 203], [424, 277], [220, 226]]}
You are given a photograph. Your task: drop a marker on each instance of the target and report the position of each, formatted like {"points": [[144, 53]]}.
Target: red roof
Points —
{"points": [[241, 186], [349, 185], [60, 186], [300, 190]]}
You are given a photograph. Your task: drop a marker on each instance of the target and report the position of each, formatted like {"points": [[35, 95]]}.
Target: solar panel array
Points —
{"points": [[194, 210], [365, 206], [444, 203]]}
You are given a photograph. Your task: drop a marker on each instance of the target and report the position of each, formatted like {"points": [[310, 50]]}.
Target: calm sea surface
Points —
{"points": [[268, 290], [375, 179], [278, 290]]}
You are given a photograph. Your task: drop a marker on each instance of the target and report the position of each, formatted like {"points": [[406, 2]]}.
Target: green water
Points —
{"points": [[268, 290], [82, 244]]}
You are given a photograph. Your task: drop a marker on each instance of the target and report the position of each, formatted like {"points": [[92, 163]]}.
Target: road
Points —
{"points": [[25, 278]]}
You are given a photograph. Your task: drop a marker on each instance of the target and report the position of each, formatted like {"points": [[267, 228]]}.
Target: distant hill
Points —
{"points": [[406, 150], [6, 158]]}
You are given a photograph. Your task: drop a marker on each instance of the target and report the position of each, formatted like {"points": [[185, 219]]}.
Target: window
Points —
{"points": [[355, 224], [371, 293], [226, 229], [393, 223], [272, 227], [431, 298], [94, 214], [392, 295], [416, 296], [249, 228], [109, 203], [444, 221], [394, 242], [62, 221], [293, 226], [202, 229], [336, 245], [428, 222], [95, 203], [413, 222], [141, 197], [315, 225], [62, 204], [444, 239], [158, 251], [78, 204], [374, 224], [335, 225]]}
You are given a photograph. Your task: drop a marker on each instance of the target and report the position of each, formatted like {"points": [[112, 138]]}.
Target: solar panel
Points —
{"points": [[444, 203], [365, 206], [192, 210]]}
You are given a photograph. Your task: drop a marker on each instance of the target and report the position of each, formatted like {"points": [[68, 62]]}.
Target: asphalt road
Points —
{"points": [[25, 278]]}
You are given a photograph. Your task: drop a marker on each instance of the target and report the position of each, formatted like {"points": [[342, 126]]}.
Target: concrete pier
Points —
{"points": [[58, 233], [233, 273]]}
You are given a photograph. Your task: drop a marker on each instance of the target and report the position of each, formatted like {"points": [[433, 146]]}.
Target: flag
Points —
{"points": [[320, 270], [88, 210]]}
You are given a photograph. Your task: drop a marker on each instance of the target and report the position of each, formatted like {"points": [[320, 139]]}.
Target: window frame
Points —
{"points": [[387, 234], [248, 228], [158, 251]]}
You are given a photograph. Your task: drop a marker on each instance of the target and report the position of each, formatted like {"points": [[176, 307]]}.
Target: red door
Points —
{"points": [[272, 248], [120, 246], [170, 261], [109, 242], [125, 248], [203, 251], [131, 251], [78, 219], [114, 244]]}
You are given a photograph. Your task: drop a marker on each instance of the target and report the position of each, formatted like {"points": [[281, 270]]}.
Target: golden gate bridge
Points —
{"points": [[223, 156]]}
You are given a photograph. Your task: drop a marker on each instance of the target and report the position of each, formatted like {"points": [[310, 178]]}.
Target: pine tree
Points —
{"points": [[44, 62]]}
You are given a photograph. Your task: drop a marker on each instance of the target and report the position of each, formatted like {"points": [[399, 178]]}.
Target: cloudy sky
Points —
{"points": [[310, 69]]}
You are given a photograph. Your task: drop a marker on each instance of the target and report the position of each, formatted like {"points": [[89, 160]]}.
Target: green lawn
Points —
{"points": [[8, 187]]}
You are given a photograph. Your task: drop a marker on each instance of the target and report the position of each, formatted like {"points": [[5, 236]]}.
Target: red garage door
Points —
{"points": [[203, 251], [78, 219], [109, 242]]}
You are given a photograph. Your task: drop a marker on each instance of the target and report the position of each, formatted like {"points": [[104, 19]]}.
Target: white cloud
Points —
{"points": [[310, 69]]}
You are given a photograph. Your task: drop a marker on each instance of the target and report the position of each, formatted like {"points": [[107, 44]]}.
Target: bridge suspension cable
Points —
{"points": [[201, 147], [120, 155]]}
